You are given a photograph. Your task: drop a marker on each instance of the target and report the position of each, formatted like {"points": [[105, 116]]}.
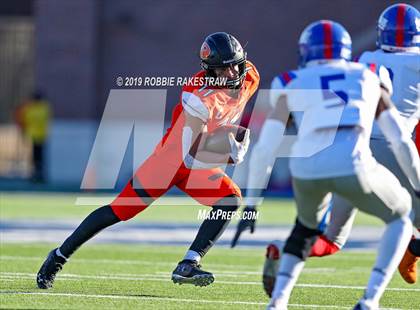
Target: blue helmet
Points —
{"points": [[324, 39], [399, 28]]}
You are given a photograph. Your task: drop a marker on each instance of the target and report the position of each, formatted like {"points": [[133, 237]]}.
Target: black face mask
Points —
{"points": [[231, 83]]}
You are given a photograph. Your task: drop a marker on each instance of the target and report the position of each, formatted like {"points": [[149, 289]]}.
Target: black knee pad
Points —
{"points": [[301, 240], [414, 247]]}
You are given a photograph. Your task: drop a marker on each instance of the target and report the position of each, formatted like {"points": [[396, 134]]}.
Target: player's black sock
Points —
{"points": [[94, 223], [414, 247], [213, 226]]}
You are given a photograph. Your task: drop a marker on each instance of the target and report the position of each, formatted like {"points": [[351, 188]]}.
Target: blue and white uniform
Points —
{"points": [[339, 100], [334, 130], [404, 70]]}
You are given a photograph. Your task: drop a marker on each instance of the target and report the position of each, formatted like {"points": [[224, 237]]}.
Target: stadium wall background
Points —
{"points": [[76, 49]]}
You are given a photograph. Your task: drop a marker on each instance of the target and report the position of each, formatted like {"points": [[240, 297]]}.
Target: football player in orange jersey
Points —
{"points": [[177, 162]]}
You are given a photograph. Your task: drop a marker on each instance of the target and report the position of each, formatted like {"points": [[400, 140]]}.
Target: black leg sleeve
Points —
{"points": [[301, 240], [213, 226], [94, 223], [414, 247]]}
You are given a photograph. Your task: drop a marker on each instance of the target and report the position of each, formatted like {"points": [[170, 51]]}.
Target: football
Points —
{"points": [[217, 141]]}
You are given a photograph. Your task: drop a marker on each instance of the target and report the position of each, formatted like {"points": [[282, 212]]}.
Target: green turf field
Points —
{"points": [[138, 276], [131, 276], [63, 206]]}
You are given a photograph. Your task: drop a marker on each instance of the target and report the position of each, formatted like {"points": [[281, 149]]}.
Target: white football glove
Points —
{"points": [[238, 149]]}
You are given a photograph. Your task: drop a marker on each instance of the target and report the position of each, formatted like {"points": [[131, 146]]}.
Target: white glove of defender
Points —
{"points": [[238, 149]]}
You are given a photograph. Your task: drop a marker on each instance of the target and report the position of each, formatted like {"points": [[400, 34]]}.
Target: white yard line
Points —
{"points": [[153, 277], [225, 302], [242, 268], [353, 287], [130, 276], [236, 273], [122, 262]]}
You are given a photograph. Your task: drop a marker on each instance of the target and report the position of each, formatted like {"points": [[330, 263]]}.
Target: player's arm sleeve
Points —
{"points": [[189, 160], [265, 151], [403, 147], [275, 91], [194, 106], [263, 156], [189, 156], [368, 59], [385, 79], [192, 136], [197, 115]]}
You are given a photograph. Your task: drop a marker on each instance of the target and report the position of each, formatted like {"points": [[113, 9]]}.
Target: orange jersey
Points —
{"points": [[164, 168], [214, 106]]}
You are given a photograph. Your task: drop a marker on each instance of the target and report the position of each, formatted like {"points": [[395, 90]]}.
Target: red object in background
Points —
{"points": [[273, 252], [18, 115]]}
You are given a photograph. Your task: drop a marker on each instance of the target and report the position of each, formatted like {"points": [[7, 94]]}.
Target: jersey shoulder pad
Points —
{"points": [[199, 89], [194, 86], [362, 57], [383, 74], [286, 77], [385, 78], [252, 77], [278, 83], [369, 56], [252, 71], [194, 106]]}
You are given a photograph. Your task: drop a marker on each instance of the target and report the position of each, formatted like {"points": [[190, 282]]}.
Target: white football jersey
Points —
{"points": [[404, 70], [321, 150]]}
